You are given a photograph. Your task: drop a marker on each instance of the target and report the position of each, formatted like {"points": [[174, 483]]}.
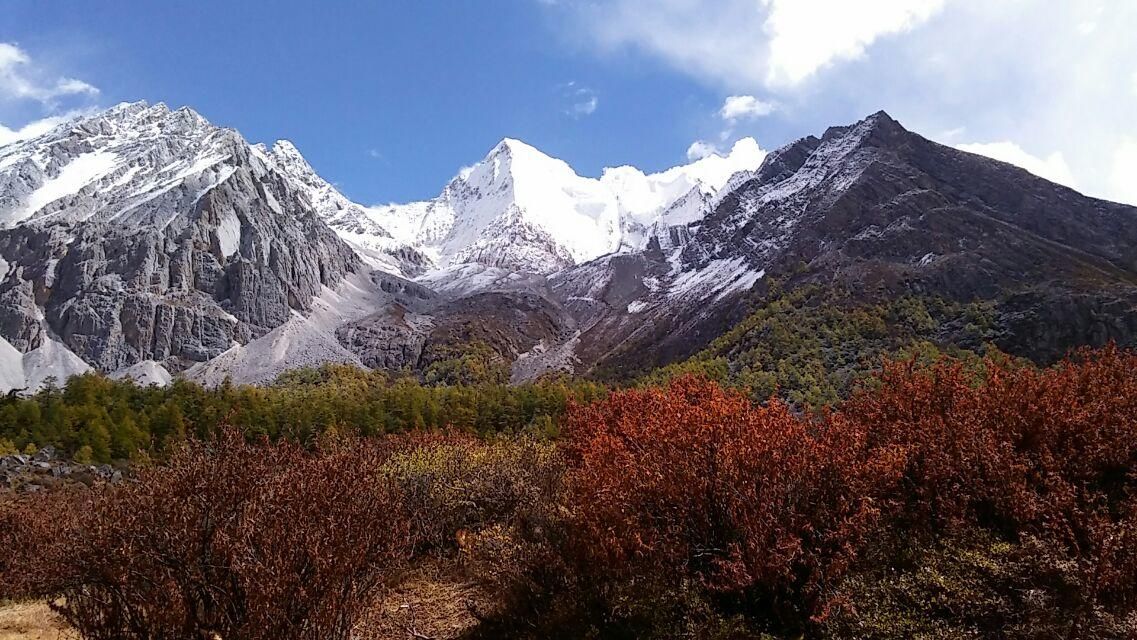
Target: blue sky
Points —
{"points": [[388, 99]]}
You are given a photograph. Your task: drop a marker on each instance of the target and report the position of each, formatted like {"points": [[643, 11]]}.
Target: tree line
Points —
{"points": [[101, 419]]}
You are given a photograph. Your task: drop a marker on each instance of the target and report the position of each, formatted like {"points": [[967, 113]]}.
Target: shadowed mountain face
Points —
{"points": [[879, 212]]}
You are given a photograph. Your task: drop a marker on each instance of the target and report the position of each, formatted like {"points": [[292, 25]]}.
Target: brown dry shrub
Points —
{"points": [[235, 539], [36, 531], [970, 584], [498, 505]]}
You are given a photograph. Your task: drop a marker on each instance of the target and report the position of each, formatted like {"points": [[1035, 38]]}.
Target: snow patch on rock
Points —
{"points": [[719, 278]]}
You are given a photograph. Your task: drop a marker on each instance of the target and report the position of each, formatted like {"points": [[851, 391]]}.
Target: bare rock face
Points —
{"points": [[390, 340], [148, 234]]}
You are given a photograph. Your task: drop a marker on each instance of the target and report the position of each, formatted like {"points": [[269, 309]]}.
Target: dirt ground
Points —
{"points": [[31, 621], [432, 604], [429, 606]]}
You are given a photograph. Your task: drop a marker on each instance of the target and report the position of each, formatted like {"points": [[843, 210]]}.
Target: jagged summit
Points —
{"points": [[521, 209], [142, 234], [875, 122]]}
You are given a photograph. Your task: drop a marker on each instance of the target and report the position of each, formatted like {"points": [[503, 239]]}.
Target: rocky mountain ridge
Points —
{"points": [[144, 241], [143, 234]]}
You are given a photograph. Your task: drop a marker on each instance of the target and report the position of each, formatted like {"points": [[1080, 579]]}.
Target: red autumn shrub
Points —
{"points": [[1046, 452], [694, 482], [773, 509], [239, 540]]}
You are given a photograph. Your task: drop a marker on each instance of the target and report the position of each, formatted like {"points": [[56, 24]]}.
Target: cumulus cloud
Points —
{"points": [[700, 149], [752, 42], [22, 79], [1052, 167], [741, 107], [808, 35]]}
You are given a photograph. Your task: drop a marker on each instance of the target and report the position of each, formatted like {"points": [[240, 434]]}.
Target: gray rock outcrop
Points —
{"points": [[148, 234]]}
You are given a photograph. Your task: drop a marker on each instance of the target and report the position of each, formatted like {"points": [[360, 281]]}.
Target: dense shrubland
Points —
{"points": [[985, 498], [237, 539]]}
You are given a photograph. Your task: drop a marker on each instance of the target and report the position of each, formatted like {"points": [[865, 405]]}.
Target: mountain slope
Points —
{"points": [[877, 211], [145, 234]]}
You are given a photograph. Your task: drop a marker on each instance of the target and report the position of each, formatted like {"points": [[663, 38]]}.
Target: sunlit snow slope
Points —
{"points": [[522, 210]]}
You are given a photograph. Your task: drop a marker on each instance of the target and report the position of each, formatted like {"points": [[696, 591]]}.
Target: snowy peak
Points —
{"points": [[104, 166], [331, 205], [880, 124], [355, 224], [515, 167], [523, 210]]}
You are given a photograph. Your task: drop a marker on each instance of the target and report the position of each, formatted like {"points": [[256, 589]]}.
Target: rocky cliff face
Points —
{"points": [[144, 234]]}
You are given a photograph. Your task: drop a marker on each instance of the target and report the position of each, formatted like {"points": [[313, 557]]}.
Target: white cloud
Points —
{"points": [[1020, 70], [1089, 22], [700, 149], [582, 101], [1123, 177], [808, 35], [32, 129], [585, 107], [739, 107], [23, 79], [751, 43], [1053, 167]]}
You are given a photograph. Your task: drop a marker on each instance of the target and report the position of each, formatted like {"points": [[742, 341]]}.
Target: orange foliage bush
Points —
{"points": [[1046, 452], [773, 509], [693, 481]]}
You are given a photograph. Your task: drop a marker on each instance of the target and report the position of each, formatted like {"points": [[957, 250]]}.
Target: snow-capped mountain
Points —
{"points": [[144, 242], [374, 244], [145, 234], [521, 210]]}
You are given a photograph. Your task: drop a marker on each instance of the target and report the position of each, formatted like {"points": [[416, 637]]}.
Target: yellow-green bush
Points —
{"points": [[969, 584], [458, 484]]}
